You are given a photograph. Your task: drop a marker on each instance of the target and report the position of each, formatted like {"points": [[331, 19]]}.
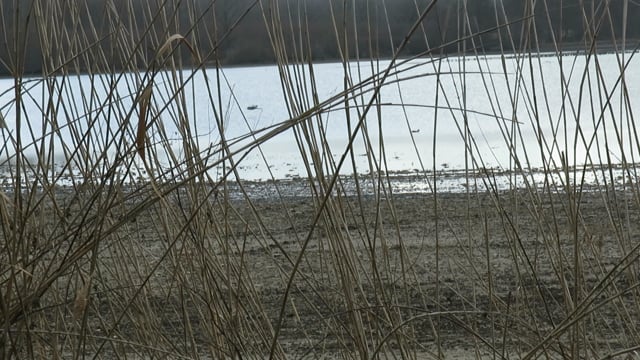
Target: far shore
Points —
{"points": [[547, 49]]}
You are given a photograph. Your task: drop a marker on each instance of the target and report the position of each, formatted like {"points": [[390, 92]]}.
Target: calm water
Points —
{"points": [[507, 109]]}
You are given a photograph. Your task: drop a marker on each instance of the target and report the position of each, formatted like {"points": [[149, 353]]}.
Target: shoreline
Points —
{"points": [[572, 48], [495, 180]]}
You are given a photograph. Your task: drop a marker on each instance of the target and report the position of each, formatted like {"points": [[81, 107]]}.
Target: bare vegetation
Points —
{"points": [[116, 243]]}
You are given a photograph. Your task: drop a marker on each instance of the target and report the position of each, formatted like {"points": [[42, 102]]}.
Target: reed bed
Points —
{"points": [[126, 235]]}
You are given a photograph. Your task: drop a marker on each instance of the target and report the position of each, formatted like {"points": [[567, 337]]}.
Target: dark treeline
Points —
{"points": [[47, 36]]}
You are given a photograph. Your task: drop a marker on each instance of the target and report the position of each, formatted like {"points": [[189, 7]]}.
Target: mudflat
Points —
{"points": [[458, 274]]}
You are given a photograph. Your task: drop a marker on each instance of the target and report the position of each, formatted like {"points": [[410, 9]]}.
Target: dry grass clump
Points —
{"points": [[125, 234]]}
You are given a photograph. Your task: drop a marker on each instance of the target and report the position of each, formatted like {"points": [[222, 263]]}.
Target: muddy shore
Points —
{"points": [[498, 268], [455, 274]]}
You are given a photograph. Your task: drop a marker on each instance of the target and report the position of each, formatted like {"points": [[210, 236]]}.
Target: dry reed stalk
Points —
{"points": [[183, 269], [81, 301], [141, 135]]}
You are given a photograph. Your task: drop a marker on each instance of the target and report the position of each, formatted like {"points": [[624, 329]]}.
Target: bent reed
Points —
{"points": [[128, 233]]}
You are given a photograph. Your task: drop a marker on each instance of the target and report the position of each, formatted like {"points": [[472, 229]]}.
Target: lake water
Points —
{"points": [[512, 112]]}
